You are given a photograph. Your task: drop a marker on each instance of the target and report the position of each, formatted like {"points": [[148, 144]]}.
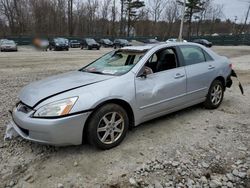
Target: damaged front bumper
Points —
{"points": [[58, 131]]}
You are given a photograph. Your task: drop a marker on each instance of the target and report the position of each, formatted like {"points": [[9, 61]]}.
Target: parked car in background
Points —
{"points": [[8, 45], [174, 40], [74, 43], [151, 41], [91, 103], [59, 44], [90, 44], [203, 42], [119, 43], [106, 43]]}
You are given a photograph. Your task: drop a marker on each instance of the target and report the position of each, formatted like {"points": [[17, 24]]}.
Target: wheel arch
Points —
{"points": [[222, 79], [124, 104]]}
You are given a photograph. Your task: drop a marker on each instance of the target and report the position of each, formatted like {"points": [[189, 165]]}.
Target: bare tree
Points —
{"points": [[171, 14], [156, 8]]}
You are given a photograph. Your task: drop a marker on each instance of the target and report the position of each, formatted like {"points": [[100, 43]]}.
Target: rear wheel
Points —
{"points": [[108, 126], [215, 95]]}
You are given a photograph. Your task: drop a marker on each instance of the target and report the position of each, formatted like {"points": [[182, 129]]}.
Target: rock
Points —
{"points": [[157, 184], [205, 165], [242, 148], [29, 176], [60, 185], [248, 173], [217, 157], [203, 179], [215, 183], [239, 162], [219, 127], [132, 181], [150, 148], [230, 184], [12, 183], [239, 174], [75, 164], [175, 163], [230, 177], [190, 182]]}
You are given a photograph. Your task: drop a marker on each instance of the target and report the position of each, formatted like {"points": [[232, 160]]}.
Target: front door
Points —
{"points": [[164, 88]]}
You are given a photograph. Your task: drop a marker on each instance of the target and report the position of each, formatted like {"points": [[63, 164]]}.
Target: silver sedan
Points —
{"points": [[122, 89]]}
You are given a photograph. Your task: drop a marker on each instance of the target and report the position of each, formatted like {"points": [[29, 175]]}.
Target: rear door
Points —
{"points": [[200, 70]]}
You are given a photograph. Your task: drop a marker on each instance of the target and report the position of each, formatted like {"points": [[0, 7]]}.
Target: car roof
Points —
{"points": [[160, 44]]}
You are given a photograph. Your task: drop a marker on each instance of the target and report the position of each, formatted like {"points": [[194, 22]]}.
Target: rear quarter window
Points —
{"points": [[192, 55]]}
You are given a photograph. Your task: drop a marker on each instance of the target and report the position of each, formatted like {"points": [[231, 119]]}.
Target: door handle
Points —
{"points": [[211, 67], [178, 75]]}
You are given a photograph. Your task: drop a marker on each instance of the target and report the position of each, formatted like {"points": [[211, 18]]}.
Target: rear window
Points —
{"points": [[192, 55]]}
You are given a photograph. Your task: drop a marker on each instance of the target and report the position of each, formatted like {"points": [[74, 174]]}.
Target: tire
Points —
{"points": [[102, 120], [215, 95]]}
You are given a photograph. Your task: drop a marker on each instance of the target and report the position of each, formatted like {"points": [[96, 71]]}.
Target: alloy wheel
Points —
{"points": [[110, 127], [216, 94]]}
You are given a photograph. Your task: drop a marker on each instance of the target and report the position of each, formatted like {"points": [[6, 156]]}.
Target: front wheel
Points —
{"points": [[108, 126], [215, 95]]}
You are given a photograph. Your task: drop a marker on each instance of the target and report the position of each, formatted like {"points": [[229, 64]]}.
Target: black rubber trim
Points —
{"points": [[63, 92], [68, 115]]}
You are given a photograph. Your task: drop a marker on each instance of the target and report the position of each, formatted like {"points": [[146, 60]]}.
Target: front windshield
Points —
{"points": [[115, 63], [9, 42], [91, 41], [106, 40], [124, 41], [60, 40]]}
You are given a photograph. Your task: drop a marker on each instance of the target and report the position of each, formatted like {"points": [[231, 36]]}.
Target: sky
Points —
{"points": [[234, 8]]}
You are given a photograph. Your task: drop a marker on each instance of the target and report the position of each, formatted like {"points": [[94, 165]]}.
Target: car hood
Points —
{"points": [[43, 89]]}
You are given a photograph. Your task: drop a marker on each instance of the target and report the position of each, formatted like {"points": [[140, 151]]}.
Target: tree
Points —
{"points": [[131, 9], [156, 8], [70, 17], [193, 7], [171, 15], [122, 18]]}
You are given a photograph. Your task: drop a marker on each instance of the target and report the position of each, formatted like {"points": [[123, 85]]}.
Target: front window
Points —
{"points": [[115, 63]]}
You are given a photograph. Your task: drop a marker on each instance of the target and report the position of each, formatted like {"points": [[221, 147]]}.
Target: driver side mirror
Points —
{"points": [[144, 74], [145, 71]]}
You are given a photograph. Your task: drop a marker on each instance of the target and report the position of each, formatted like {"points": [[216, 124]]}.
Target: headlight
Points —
{"points": [[55, 109], [57, 44]]}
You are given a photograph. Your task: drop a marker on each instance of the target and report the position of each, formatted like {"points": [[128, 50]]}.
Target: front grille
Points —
{"points": [[23, 108]]}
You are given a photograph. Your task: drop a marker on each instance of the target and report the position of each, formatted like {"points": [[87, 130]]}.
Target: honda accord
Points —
{"points": [[122, 89]]}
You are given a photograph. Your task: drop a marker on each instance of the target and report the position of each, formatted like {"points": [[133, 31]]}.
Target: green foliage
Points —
{"points": [[194, 6]]}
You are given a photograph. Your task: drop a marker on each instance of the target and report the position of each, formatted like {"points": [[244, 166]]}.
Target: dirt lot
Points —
{"points": [[194, 147]]}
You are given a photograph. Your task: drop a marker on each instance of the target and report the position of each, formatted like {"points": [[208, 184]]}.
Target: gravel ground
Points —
{"points": [[194, 147]]}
